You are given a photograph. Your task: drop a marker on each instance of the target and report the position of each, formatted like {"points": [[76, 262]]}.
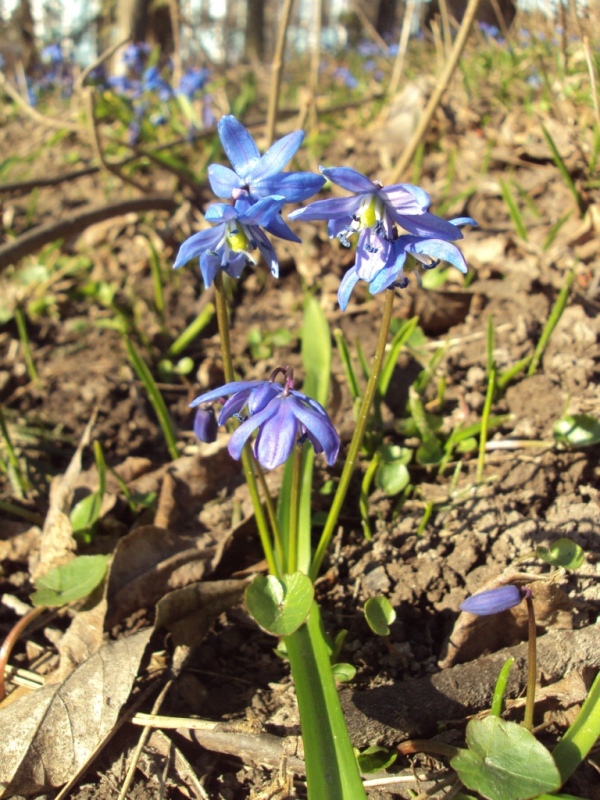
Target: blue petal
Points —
{"points": [[405, 198], [319, 428], [440, 250], [197, 244], [223, 391], [348, 283], [239, 145], [220, 212], [277, 156], [427, 224], [277, 436], [281, 229], [294, 186], [493, 601], [209, 265], [234, 405], [262, 213], [240, 436], [236, 264], [372, 254], [268, 253], [458, 221], [336, 208], [350, 179], [223, 180], [388, 275], [262, 396]]}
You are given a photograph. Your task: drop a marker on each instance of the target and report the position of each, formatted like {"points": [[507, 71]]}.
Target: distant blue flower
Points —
{"points": [[205, 424], [494, 600], [152, 81], [375, 206], [229, 243], [52, 54], [135, 55], [255, 176], [192, 81], [124, 86], [380, 261], [282, 416], [344, 74]]}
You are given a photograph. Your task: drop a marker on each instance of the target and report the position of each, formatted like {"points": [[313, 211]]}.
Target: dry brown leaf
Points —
{"points": [[18, 540], [57, 545], [151, 561], [49, 734], [189, 612]]}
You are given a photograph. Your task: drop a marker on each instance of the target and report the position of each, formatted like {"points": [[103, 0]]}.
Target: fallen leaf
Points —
{"points": [[50, 733]]}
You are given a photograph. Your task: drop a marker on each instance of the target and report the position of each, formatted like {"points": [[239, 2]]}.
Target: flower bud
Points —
{"points": [[205, 424], [493, 601]]}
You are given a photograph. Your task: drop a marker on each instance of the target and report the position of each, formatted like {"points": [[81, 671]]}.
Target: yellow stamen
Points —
{"points": [[367, 214], [237, 239]]}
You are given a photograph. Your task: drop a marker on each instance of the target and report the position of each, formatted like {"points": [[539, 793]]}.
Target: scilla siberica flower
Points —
{"points": [[229, 244], [493, 601], [281, 415]]}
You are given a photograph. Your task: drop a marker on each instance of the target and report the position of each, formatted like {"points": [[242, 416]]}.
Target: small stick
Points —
{"points": [[277, 70], [441, 87], [100, 60], [48, 122], [88, 95], [402, 48], [11, 640], [176, 55]]}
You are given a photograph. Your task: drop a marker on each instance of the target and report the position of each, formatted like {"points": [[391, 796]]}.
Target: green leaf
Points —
{"points": [[85, 514], [563, 553], [343, 672], [379, 614], [392, 477], [505, 761], [280, 606], [70, 582], [374, 759], [577, 430]]}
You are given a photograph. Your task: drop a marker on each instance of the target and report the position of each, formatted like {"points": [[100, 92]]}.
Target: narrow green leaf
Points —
{"points": [[74, 580], [85, 514], [514, 210], [500, 688], [562, 168]]}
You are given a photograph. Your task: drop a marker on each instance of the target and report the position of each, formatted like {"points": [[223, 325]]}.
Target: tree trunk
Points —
{"points": [[254, 49]]}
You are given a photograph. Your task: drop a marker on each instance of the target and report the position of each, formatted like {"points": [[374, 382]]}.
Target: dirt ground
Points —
{"points": [[533, 492]]}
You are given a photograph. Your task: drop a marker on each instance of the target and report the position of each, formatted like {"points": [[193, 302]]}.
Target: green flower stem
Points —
{"points": [[531, 667], [355, 444], [331, 766], [581, 735], [272, 513], [296, 489], [261, 520]]}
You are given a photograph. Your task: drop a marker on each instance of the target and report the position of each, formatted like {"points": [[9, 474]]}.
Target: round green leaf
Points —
{"points": [[563, 553], [505, 761], [379, 614], [343, 672], [70, 582], [392, 477], [577, 430], [374, 759], [280, 606]]}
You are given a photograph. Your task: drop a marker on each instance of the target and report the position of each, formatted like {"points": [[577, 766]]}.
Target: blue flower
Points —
{"points": [[229, 243], [281, 416], [152, 81], [494, 600], [255, 176], [380, 261], [52, 54], [192, 81], [205, 424], [375, 206]]}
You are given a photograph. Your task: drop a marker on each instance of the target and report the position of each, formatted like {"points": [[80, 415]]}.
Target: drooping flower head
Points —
{"points": [[229, 244], [254, 176], [281, 416], [381, 261], [493, 601]]}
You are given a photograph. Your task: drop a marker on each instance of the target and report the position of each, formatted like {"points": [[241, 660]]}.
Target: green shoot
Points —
{"points": [[514, 211], [24, 338], [553, 319], [193, 330], [562, 168]]}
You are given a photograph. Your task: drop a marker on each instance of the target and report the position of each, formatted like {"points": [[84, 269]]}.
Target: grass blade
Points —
{"points": [[553, 319], [562, 168]]}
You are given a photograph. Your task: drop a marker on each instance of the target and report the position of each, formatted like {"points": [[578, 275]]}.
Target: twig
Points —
{"points": [[370, 29], [44, 234], [402, 47], [100, 60], [592, 73], [277, 70], [49, 122], [441, 87], [176, 54], [88, 96], [12, 638], [144, 736]]}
